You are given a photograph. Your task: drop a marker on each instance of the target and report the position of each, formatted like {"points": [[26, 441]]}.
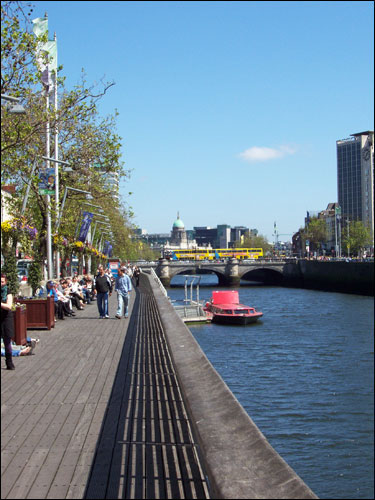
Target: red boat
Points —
{"points": [[225, 308]]}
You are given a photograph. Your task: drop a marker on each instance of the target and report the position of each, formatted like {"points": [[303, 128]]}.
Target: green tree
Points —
{"points": [[251, 241], [355, 238], [35, 275], [316, 233], [87, 140], [10, 270]]}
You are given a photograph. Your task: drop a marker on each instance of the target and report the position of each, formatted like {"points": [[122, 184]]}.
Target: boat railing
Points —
{"points": [[191, 309], [193, 280]]}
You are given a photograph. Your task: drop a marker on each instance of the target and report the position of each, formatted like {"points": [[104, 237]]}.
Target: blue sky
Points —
{"points": [[229, 111]]}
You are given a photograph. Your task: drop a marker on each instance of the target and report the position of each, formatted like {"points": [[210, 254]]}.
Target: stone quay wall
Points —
{"points": [[239, 461], [335, 276]]}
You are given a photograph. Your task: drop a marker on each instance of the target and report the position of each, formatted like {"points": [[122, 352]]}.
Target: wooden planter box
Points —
{"points": [[40, 312], [20, 325]]}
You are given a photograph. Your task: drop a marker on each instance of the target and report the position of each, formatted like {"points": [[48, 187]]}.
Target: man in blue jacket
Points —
{"points": [[103, 287], [123, 287]]}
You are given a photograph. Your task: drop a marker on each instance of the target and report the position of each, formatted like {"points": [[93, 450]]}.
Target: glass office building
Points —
{"points": [[355, 178]]}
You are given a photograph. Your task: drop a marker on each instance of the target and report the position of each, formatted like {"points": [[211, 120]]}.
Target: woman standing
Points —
{"points": [[7, 322]]}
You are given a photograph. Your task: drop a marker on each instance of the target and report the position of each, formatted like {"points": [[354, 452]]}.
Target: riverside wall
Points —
{"points": [[335, 276], [239, 461]]}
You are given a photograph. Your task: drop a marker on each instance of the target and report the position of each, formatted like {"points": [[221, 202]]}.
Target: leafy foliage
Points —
{"points": [[355, 237], [316, 233], [10, 270], [35, 275], [251, 241], [86, 139]]}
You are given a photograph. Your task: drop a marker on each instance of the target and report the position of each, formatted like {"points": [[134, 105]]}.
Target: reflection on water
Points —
{"points": [[304, 373]]}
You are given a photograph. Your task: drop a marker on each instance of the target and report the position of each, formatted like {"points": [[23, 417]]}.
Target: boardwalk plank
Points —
{"points": [[96, 412]]}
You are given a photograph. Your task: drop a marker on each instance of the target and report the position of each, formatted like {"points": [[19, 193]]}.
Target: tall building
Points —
{"points": [[223, 235], [205, 236], [355, 178]]}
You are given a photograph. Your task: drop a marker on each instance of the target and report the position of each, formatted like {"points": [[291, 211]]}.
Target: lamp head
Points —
{"points": [[16, 109]]}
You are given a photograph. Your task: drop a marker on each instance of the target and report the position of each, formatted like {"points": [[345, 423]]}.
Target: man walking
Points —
{"points": [[123, 287], [103, 287]]}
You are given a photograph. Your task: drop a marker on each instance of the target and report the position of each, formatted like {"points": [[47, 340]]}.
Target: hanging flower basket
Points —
{"points": [[78, 246], [19, 224]]}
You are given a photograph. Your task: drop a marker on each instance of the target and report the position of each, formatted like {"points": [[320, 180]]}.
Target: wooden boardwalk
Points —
{"points": [[97, 412]]}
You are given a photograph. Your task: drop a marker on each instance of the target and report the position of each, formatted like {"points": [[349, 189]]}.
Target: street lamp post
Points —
{"points": [[91, 239], [100, 241], [28, 189], [106, 228], [66, 169], [88, 268], [337, 231], [105, 231], [99, 222], [67, 188], [64, 199]]}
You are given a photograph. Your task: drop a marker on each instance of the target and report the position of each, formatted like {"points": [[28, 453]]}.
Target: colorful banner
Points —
{"points": [[107, 250], [47, 181], [86, 221]]}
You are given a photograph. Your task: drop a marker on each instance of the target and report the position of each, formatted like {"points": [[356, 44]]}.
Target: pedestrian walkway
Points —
{"points": [[97, 412]]}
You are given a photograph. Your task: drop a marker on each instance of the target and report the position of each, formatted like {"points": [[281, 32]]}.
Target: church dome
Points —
{"points": [[178, 224]]}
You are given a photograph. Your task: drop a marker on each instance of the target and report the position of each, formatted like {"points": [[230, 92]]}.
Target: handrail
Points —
{"points": [[157, 280]]}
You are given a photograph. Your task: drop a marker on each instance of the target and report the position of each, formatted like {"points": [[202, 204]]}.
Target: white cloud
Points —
{"points": [[257, 153]]}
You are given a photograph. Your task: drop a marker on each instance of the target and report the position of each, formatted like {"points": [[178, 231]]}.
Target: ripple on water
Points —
{"points": [[305, 376]]}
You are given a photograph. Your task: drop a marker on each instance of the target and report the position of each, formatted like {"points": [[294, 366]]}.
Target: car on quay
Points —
{"points": [[22, 276]]}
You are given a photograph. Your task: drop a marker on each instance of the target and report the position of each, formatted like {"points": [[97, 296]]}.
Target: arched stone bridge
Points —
{"points": [[229, 273]]}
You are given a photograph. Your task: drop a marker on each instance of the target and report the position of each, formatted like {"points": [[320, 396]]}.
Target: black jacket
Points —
{"points": [[103, 284]]}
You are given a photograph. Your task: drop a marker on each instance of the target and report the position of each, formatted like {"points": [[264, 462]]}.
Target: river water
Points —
{"points": [[305, 375]]}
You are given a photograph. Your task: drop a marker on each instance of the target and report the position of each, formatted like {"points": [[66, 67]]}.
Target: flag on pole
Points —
{"points": [[46, 53], [86, 221], [51, 48], [105, 249], [47, 61], [40, 26]]}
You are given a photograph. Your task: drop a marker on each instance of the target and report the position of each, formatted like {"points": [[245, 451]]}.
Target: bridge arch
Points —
{"points": [[220, 276], [229, 273], [264, 275]]}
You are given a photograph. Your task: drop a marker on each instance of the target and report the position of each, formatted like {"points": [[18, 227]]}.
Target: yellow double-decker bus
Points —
{"points": [[238, 253], [214, 254]]}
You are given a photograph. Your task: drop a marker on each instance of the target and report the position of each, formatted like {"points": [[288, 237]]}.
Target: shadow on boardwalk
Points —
{"points": [[97, 413]]}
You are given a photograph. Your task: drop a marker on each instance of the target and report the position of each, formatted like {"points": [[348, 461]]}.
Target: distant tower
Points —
{"points": [[178, 236], [355, 178]]}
